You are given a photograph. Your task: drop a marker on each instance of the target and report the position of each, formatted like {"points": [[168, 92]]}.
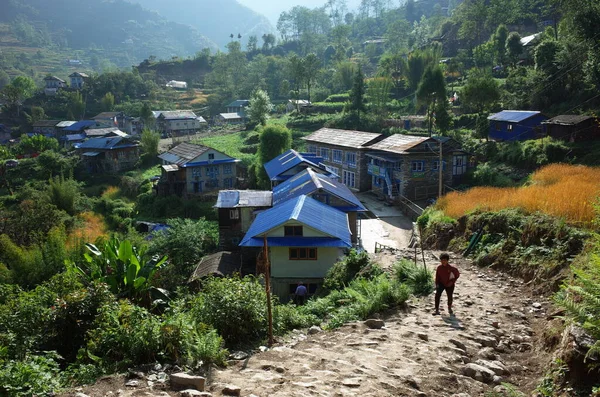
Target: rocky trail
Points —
{"points": [[491, 339]]}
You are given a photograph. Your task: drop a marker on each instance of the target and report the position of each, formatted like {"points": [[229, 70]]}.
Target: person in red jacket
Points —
{"points": [[445, 278]]}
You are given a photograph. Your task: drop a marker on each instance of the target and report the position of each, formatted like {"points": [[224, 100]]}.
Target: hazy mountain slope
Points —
{"points": [[214, 19], [114, 24]]}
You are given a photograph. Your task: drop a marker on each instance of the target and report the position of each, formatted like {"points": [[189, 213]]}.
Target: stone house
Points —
{"points": [[46, 127], [304, 237], [108, 155], [238, 106], [53, 84], [178, 123], [189, 169], [78, 80], [344, 153]]}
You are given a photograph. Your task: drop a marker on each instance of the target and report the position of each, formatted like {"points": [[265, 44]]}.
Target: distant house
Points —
{"points": [[179, 123], [104, 133], [78, 80], [219, 264], [230, 118], [110, 118], [190, 169], [290, 163], [529, 43], [326, 190], [407, 122], [238, 106], [83, 125], [294, 104], [406, 165], [305, 238], [108, 155], [181, 85], [53, 84], [573, 128], [516, 125], [133, 125], [237, 210], [343, 152], [46, 127]]}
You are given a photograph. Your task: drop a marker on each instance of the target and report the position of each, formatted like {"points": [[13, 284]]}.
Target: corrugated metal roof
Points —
{"points": [[307, 182], [100, 132], [221, 263], [75, 137], [177, 114], [244, 198], [398, 143], [46, 123], [239, 103], [170, 167], [80, 125], [90, 154], [296, 242], [289, 160], [231, 116], [54, 78], [527, 40], [183, 153], [513, 116], [568, 119], [105, 143], [78, 74], [307, 211], [347, 138], [106, 115], [64, 124]]}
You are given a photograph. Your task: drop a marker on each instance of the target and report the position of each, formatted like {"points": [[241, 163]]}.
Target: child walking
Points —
{"points": [[445, 278]]}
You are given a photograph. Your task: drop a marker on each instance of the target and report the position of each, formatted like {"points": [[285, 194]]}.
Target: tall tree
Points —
{"points": [[312, 64], [260, 107], [514, 48], [499, 40], [149, 141], [252, 44], [378, 92], [357, 96], [481, 91], [274, 140], [296, 71], [432, 88], [108, 102]]}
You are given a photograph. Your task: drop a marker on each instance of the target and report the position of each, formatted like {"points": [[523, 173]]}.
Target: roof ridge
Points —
{"points": [[314, 178], [298, 207]]}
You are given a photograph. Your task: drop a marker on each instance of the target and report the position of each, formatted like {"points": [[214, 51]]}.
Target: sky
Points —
{"points": [[273, 8]]}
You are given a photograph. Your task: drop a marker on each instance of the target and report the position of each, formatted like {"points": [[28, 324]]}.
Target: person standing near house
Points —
{"points": [[445, 279], [300, 294]]}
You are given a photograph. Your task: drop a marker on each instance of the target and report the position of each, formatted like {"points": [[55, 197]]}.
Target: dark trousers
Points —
{"points": [[299, 300], [438, 294]]}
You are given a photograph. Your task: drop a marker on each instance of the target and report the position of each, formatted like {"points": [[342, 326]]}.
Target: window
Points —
{"points": [[212, 171], [226, 169], [436, 165], [303, 254], [417, 166], [211, 156], [234, 214], [228, 182], [349, 179], [197, 172], [351, 159], [337, 156], [325, 154], [292, 231], [312, 149], [509, 127]]}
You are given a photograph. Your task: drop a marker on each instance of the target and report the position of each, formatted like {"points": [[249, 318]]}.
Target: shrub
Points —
{"points": [[35, 375], [342, 272], [486, 175], [418, 278]]}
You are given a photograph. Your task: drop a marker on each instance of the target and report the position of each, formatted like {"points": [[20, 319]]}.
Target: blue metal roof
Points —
{"points": [[307, 182], [243, 198], [305, 210], [103, 143], [80, 125], [296, 242], [513, 116], [289, 160], [75, 137]]}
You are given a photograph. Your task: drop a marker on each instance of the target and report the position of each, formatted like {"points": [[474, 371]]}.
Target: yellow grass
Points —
{"points": [[561, 190], [111, 193], [92, 227]]}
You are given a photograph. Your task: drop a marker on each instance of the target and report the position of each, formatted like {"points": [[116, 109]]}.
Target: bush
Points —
{"points": [[486, 175], [342, 272], [418, 278], [35, 375]]}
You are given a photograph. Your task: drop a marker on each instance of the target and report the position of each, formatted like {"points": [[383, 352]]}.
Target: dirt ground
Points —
{"points": [[495, 325]]}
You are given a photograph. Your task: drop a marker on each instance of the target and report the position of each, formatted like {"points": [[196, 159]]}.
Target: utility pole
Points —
{"points": [[268, 290]]}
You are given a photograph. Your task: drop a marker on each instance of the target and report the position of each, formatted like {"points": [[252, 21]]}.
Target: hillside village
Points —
{"points": [[268, 221]]}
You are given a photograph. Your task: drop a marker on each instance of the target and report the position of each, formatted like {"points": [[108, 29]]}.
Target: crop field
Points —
{"points": [[566, 191]]}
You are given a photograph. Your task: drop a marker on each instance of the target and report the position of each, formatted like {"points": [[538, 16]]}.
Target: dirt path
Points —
{"points": [[414, 354]]}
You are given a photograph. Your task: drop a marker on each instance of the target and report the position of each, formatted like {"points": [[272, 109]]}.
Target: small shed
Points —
{"points": [[573, 128], [516, 125], [219, 264], [182, 85], [229, 118]]}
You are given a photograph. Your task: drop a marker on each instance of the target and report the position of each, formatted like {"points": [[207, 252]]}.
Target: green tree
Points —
{"points": [[14, 94], [514, 48], [443, 117], [545, 56], [107, 102], [149, 141], [146, 115], [64, 193], [378, 92], [36, 144], [296, 72], [311, 66], [273, 140], [4, 79], [25, 85], [432, 88], [260, 107], [252, 44], [36, 114], [357, 97], [499, 42], [75, 106], [481, 92]]}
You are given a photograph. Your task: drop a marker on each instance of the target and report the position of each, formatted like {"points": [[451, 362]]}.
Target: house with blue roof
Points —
{"points": [[189, 169], [324, 189], [516, 125], [109, 155], [290, 163], [305, 238]]}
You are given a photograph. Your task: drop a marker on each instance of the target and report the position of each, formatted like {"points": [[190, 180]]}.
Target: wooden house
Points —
{"points": [[305, 238], [237, 210], [108, 155], [344, 153], [190, 169], [573, 128], [516, 125]]}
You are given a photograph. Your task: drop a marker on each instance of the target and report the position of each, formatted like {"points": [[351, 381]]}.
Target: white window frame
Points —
{"points": [[340, 155], [420, 168], [351, 155], [326, 150], [349, 179]]}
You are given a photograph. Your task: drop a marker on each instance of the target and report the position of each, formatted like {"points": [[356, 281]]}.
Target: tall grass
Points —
{"points": [[418, 278], [91, 227], [561, 190]]}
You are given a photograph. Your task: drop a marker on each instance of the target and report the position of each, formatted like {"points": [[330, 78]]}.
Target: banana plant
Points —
{"points": [[126, 269]]}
